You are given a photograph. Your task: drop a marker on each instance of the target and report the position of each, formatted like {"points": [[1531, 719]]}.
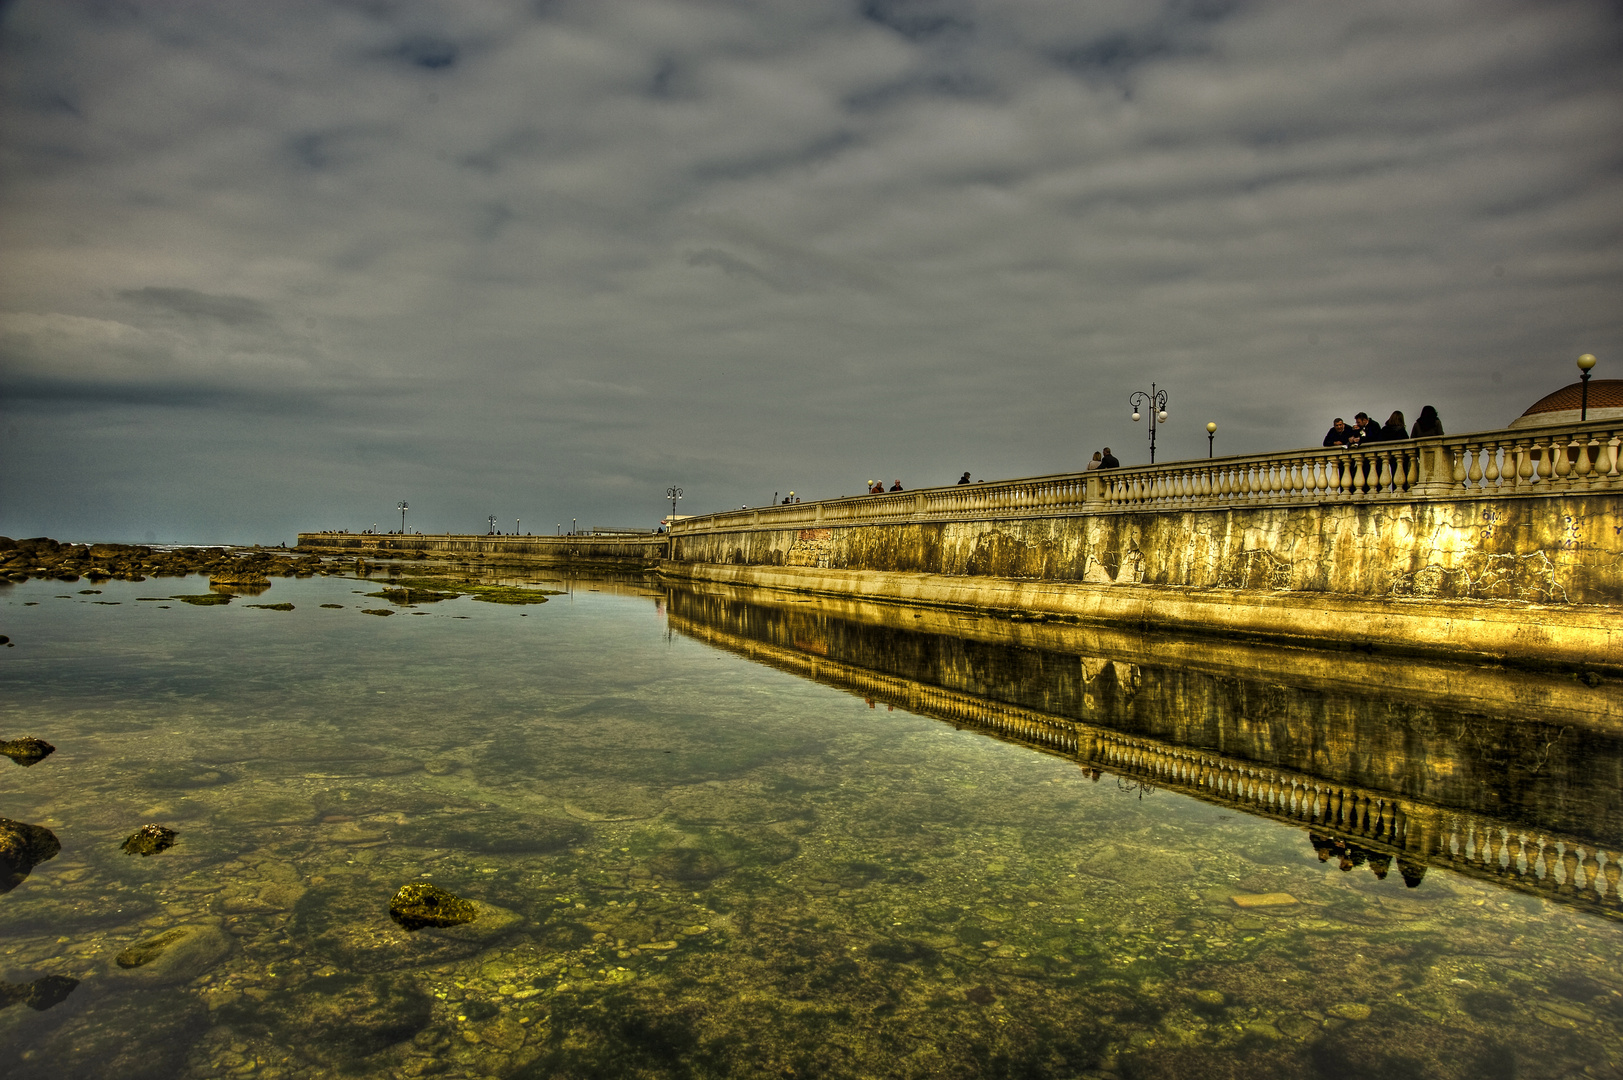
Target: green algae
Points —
{"points": [[273, 607]]}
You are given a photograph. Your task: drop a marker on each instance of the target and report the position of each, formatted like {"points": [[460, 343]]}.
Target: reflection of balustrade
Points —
{"points": [[1532, 461], [1565, 869]]}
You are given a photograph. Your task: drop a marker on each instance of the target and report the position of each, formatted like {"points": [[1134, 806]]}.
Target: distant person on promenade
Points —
{"points": [[1339, 434], [1097, 462], [877, 488], [964, 479], [897, 486], [1428, 424], [1108, 460], [1395, 428]]}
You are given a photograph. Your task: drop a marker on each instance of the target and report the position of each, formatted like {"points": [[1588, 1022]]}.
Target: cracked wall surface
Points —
{"points": [[1563, 550]]}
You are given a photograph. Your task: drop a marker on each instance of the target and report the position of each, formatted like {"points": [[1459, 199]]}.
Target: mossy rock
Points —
{"points": [[273, 607], [348, 924], [27, 750], [205, 599], [23, 847], [177, 955], [40, 994], [149, 840], [421, 904]]}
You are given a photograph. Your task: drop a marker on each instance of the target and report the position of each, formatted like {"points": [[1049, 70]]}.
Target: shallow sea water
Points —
{"points": [[691, 863]]}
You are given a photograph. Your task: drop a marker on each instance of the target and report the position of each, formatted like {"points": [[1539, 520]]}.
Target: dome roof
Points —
{"points": [[1562, 407]]}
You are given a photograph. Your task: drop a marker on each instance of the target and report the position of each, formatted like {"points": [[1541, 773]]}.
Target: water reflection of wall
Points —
{"points": [[1429, 774]]}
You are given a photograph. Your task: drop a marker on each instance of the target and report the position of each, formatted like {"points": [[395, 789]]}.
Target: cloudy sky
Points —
{"points": [[278, 266]]}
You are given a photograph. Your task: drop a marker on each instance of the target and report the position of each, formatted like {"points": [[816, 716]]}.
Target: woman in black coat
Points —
{"points": [[1395, 428], [1428, 424]]}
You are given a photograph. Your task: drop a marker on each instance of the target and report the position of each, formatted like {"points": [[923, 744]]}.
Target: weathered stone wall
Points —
{"points": [[1559, 550], [513, 548]]}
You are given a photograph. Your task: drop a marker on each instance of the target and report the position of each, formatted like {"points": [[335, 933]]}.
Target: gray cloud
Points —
{"points": [[555, 257]]}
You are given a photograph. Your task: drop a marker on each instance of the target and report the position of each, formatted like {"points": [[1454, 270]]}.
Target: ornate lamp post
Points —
{"points": [[402, 508], [1211, 433], [1585, 362], [673, 493], [1157, 401]]}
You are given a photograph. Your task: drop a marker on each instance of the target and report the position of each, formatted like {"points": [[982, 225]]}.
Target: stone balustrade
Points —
{"points": [[1508, 463]]}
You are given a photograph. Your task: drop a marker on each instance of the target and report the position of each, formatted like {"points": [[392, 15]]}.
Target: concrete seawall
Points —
{"points": [[1533, 580], [599, 550]]}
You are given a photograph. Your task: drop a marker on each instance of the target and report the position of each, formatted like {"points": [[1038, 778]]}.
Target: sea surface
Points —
{"points": [[721, 834]]}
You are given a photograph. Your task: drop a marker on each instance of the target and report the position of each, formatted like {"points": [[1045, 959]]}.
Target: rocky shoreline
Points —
{"points": [[42, 557]]}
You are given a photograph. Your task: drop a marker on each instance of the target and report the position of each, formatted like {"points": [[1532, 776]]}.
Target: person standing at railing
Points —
{"points": [[1395, 428], [1097, 462], [1108, 460], [1365, 430], [897, 486], [1428, 424], [964, 479], [1339, 434]]}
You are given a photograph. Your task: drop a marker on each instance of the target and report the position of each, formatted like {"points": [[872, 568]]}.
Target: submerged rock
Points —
{"points": [[38, 995], [343, 1018], [176, 955], [420, 904], [23, 847], [27, 750], [149, 840]]}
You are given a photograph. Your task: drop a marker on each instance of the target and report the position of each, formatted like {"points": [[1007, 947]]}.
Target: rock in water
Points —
{"points": [[23, 847], [38, 995], [27, 750], [176, 955], [420, 904], [149, 840]]}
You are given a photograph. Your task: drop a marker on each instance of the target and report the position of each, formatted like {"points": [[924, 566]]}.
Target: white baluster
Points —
{"points": [[1385, 479], [1546, 464], [1475, 472], [1582, 467], [1563, 463], [1491, 473]]}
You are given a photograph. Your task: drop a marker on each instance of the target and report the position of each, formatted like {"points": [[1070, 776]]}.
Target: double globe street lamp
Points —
{"points": [[1157, 401]]}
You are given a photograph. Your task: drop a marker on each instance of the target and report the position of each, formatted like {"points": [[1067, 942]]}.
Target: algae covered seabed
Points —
{"points": [[688, 864]]}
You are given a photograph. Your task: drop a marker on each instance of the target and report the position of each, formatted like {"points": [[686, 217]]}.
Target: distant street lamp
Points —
{"points": [[492, 530], [1211, 433], [673, 493], [560, 528], [572, 526], [515, 526], [1157, 401], [402, 508], [1585, 362]]}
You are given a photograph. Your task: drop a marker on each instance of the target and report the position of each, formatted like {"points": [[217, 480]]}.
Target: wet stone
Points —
{"points": [[343, 1019], [175, 955], [149, 840], [23, 847], [420, 904], [39, 994], [27, 750]]}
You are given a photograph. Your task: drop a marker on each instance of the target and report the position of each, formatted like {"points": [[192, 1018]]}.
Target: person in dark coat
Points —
{"points": [[897, 486], [1395, 427], [1365, 430], [1339, 434], [1428, 424], [1108, 461], [964, 479]]}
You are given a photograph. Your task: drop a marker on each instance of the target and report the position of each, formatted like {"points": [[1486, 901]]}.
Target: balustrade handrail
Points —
{"points": [[1505, 461]]}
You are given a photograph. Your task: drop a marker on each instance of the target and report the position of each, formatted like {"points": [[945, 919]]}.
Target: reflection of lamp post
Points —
{"points": [[1585, 362], [402, 508], [1211, 433], [1157, 401], [673, 493]]}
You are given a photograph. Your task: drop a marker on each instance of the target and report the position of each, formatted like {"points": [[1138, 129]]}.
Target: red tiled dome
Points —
{"points": [[1603, 394]]}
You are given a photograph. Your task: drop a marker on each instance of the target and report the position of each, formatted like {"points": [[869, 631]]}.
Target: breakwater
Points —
{"points": [[614, 551], [1503, 546]]}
